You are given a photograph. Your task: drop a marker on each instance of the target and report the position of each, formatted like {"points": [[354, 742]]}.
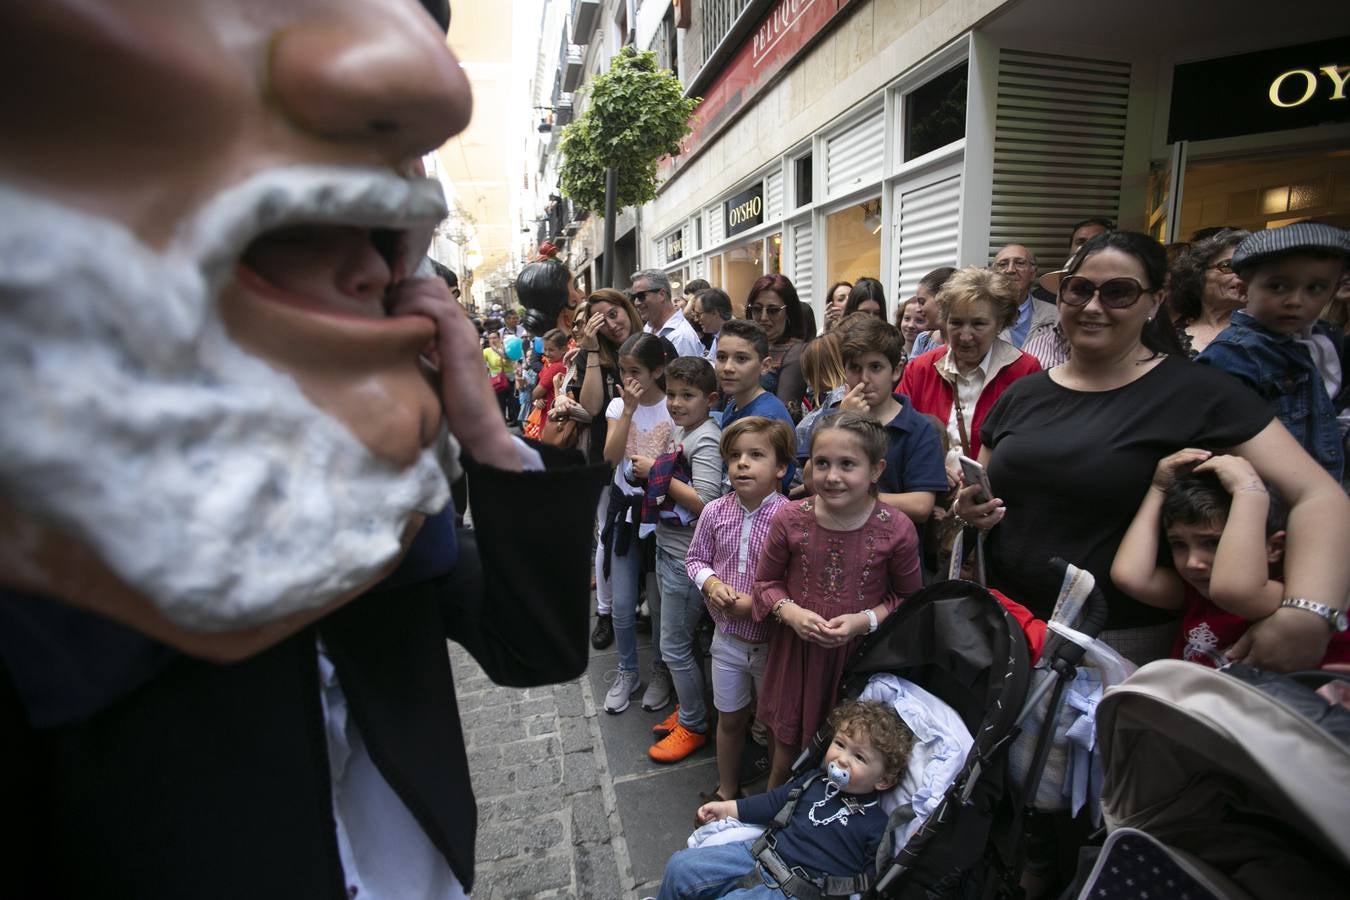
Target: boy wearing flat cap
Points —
{"points": [[1280, 347]]}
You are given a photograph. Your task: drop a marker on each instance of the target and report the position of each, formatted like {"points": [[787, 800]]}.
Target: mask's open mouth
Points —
{"points": [[338, 270]]}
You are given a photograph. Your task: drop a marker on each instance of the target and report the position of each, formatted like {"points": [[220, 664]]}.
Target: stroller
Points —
{"points": [[954, 662], [1231, 784]]}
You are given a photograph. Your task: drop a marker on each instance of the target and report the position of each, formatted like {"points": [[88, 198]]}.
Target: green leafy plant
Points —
{"points": [[637, 114]]}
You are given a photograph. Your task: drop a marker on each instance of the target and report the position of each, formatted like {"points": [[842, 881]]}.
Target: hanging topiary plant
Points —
{"points": [[637, 114]]}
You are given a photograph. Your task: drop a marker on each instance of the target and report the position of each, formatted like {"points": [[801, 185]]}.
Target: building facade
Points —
{"points": [[884, 138]]}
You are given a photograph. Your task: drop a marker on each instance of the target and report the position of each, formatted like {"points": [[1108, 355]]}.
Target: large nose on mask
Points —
{"points": [[381, 76]]}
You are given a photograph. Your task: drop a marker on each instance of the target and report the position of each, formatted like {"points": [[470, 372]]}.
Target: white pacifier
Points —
{"points": [[836, 774]]}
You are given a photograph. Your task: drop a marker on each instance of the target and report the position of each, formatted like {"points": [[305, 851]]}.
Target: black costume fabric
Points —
{"points": [[205, 780]]}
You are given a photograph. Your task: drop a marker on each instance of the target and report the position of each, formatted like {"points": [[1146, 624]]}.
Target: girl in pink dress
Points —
{"points": [[833, 567]]}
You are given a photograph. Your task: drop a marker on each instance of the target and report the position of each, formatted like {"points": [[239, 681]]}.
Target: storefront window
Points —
{"points": [[775, 254], [736, 269], [1265, 192], [935, 113], [853, 242]]}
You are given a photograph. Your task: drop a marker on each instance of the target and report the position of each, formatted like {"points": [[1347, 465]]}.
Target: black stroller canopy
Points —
{"points": [[958, 641]]}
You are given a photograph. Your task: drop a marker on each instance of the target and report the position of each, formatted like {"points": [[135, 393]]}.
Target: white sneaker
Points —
{"points": [[623, 687]]}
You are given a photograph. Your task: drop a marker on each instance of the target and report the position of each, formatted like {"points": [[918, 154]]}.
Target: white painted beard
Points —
{"points": [[200, 475]]}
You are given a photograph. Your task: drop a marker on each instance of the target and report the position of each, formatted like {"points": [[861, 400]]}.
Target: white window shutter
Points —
{"points": [[773, 196], [803, 257], [716, 225], [1059, 149], [929, 218], [853, 157]]}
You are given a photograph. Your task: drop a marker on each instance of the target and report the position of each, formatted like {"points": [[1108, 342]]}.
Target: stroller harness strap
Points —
{"points": [[794, 880]]}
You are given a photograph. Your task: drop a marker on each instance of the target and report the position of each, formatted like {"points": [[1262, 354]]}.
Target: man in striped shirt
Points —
{"points": [[722, 560]]}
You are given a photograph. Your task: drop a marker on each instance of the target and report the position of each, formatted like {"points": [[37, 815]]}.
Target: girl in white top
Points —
{"points": [[640, 429]]}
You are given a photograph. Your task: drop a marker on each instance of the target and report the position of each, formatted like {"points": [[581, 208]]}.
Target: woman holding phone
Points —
{"points": [[1071, 452]]}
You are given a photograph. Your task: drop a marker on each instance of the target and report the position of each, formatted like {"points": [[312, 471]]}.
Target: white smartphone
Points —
{"points": [[974, 473]]}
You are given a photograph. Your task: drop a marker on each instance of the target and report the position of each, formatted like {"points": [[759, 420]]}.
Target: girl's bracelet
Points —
{"points": [[711, 582], [777, 612]]}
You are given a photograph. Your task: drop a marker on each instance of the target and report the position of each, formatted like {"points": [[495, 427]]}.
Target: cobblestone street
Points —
{"points": [[569, 805]]}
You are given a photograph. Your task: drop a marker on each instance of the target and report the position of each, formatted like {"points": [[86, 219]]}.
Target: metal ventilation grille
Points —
{"points": [[930, 219], [1059, 146], [716, 225], [803, 256], [853, 157], [773, 196]]}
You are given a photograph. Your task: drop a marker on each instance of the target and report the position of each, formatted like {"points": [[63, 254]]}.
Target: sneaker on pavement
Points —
{"points": [[659, 689], [603, 633], [667, 725], [677, 745], [622, 689]]}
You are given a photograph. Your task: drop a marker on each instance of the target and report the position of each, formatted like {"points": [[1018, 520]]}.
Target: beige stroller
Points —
{"points": [[1230, 784]]}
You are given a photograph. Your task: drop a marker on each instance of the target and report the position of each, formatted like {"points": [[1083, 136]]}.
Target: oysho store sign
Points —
{"points": [[745, 210], [1271, 90]]}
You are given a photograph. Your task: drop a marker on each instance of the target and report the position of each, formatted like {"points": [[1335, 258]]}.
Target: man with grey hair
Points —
{"points": [[1019, 263], [650, 294]]}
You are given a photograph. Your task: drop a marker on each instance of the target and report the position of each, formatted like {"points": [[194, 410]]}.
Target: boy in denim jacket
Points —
{"points": [[1280, 347]]}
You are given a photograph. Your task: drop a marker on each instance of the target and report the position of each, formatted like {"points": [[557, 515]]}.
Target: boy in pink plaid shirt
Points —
{"points": [[722, 561]]}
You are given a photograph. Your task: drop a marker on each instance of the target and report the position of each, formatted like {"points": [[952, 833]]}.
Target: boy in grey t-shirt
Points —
{"points": [[691, 390]]}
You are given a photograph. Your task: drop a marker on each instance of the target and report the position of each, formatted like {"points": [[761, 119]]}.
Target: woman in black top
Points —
{"points": [[609, 320], [1070, 453]]}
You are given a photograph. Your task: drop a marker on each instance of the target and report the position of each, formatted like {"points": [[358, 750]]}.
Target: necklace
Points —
{"points": [[847, 807]]}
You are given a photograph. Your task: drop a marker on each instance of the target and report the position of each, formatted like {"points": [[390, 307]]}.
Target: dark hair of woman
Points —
{"points": [[1187, 287], [781, 286], [866, 289], [1158, 335], [834, 287], [935, 279], [808, 322]]}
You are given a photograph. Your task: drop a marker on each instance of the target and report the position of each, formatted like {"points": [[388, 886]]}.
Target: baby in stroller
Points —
{"points": [[828, 822]]}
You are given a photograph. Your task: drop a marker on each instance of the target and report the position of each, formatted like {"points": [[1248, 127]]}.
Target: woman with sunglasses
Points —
{"points": [[1071, 452], [773, 305], [1203, 291]]}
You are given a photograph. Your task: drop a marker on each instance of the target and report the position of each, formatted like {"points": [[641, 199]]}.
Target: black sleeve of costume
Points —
{"points": [[519, 598]]}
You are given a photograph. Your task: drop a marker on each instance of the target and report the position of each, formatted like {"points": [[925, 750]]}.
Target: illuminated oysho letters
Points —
{"points": [[1308, 78], [746, 211]]}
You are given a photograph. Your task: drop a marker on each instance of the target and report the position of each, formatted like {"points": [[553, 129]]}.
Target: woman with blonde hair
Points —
{"points": [[823, 368], [960, 383]]}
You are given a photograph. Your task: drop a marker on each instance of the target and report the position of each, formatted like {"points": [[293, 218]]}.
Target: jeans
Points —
{"points": [[712, 872], [603, 590], [625, 574], [681, 612]]}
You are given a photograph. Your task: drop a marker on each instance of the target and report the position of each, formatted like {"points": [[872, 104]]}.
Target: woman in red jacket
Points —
{"points": [[958, 383]]}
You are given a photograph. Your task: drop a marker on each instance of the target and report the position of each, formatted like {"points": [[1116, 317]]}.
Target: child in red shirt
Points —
{"points": [[1226, 534], [555, 347]]}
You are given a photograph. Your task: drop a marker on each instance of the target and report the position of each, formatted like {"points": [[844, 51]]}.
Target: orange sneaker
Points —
{"points": [[677, 745], [667, 725]]}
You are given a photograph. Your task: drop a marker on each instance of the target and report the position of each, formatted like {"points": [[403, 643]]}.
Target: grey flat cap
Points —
{"points": [[1312, 236]]}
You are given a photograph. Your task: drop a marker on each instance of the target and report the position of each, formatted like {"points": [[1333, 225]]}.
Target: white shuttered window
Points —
{"points": [[928, 219], [803, 257], [1058, 150], [853, 157], [773, 196]]}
